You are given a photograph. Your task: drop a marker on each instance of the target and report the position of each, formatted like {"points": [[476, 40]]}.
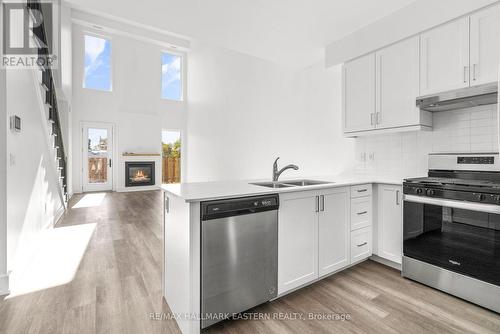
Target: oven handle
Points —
{"points": [[489, 208]]}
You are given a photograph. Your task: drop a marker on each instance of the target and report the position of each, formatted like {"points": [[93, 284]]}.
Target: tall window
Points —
{"points": [[171, 77], [171, 156], [97, 72]]}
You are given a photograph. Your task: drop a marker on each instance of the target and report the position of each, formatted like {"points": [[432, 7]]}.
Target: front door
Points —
{"points": [[97, 160]]}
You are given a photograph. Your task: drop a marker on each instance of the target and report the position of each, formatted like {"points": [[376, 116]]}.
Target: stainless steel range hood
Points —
{"points": [[460, 98]]}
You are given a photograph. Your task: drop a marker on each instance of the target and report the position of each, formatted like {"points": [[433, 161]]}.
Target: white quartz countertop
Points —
{"points": [[203, 191]]}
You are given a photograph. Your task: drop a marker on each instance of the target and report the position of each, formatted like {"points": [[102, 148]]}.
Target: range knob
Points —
{"points": [[430, 192], [419, 191], [479, 197], [497, 198]]}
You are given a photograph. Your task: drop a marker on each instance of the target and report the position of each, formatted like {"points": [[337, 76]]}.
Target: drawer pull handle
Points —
{"points": [[362, 190], [362, 213], [363, 244]]}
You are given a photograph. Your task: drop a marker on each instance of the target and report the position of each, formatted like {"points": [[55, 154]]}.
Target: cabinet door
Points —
{"points": [[485, 45], [297, 240], [398, 84], [390, 223], [444, 57], [334, 230], [359, 94]]}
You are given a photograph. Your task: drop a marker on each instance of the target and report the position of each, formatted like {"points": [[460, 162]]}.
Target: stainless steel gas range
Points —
{"points": [[451, 227]]}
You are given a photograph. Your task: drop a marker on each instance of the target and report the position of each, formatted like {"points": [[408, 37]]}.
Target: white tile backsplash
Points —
{"points": [[404, 154]]}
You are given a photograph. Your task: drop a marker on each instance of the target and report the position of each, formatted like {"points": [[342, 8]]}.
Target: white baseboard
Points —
{"points": [[58, 215], [386, 262], [52, 221], [4, 285]]}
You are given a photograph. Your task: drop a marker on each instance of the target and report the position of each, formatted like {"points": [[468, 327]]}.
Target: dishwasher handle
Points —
{"points": [[238, 206]]}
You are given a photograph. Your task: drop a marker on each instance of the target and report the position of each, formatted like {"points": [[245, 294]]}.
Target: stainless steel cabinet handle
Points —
{"points": [[167, 204], [362, 190], [371, 119], [362, 213], [378, 118], [465, 74], [317, 203], [474, 72], [322, 204], [397, 197], [361, 245]]}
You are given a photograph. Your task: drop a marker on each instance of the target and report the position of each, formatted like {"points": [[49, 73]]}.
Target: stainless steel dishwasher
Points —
{"points": [[239, 255]]}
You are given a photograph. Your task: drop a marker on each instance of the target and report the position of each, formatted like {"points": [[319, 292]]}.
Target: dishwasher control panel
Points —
{"points": [[246, 205]]}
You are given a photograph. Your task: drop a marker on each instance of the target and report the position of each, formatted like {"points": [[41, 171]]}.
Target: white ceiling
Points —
{"points": [[289, 32]]}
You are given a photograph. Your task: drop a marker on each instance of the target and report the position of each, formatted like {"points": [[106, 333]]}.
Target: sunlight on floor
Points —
{"points": [[54, 260], [90, 200]]}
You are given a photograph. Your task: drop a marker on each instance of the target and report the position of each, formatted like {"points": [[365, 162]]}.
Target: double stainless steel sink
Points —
{"points": [[291, 183]]}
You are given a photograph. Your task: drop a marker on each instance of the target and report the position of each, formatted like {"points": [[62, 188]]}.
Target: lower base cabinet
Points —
{"points": [[321, 232], [334, 230], [361, 239], [313, 236], [390, 223], [297, 240]]}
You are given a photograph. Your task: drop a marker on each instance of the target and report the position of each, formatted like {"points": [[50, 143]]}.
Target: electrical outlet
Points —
{"points": [[372, 156]]}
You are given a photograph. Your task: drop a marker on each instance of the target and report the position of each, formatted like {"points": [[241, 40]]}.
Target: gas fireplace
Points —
{"points": [[139, 174]]}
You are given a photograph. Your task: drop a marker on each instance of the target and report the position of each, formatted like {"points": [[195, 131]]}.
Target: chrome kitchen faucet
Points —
{"points": [[277, 173]]}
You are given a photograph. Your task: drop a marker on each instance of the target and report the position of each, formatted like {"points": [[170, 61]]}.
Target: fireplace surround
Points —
{"points": [[139, 173]]}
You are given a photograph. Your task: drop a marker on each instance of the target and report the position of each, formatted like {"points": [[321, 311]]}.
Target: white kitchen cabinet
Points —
{"points": [[359, 94], [297, 240], [444, 57], [485, 45], [313, 236], [361, 244], [397, 86], [390, 222], [361, 190], [380, 90], [334, 230], [361, 212]]}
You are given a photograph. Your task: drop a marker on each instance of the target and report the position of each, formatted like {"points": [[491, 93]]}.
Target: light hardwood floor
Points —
{"points": [[118, 285]]}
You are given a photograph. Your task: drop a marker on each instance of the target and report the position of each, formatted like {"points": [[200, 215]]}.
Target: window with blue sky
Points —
{"points": [[171, 77], [97, 73]]}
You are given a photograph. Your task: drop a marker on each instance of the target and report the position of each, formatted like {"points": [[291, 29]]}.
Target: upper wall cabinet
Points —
{"points": [[485, 45], [397, 73], [359, 94], [444, 57], [380, 91]]}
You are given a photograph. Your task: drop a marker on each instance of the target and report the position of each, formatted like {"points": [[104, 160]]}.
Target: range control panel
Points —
{"points": [[475, 160]]}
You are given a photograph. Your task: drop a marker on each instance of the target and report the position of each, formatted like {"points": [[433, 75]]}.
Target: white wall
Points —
{"points": [[411, 20], [243, 112], [134, 106], [4, 283], [403, 155], [33, 201]]}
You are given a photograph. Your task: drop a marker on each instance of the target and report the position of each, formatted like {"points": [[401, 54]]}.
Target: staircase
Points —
{"points": [[51, 112]]}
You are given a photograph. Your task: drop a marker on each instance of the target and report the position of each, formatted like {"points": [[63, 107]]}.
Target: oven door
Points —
{"points": [[463, 237]]}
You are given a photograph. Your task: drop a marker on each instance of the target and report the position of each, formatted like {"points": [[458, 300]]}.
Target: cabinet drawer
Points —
{"points": [[361, 212], [361, 190], [361, 244]]}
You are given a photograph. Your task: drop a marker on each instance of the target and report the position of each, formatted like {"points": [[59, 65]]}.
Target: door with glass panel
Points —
{"points": [[97, 160]]}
